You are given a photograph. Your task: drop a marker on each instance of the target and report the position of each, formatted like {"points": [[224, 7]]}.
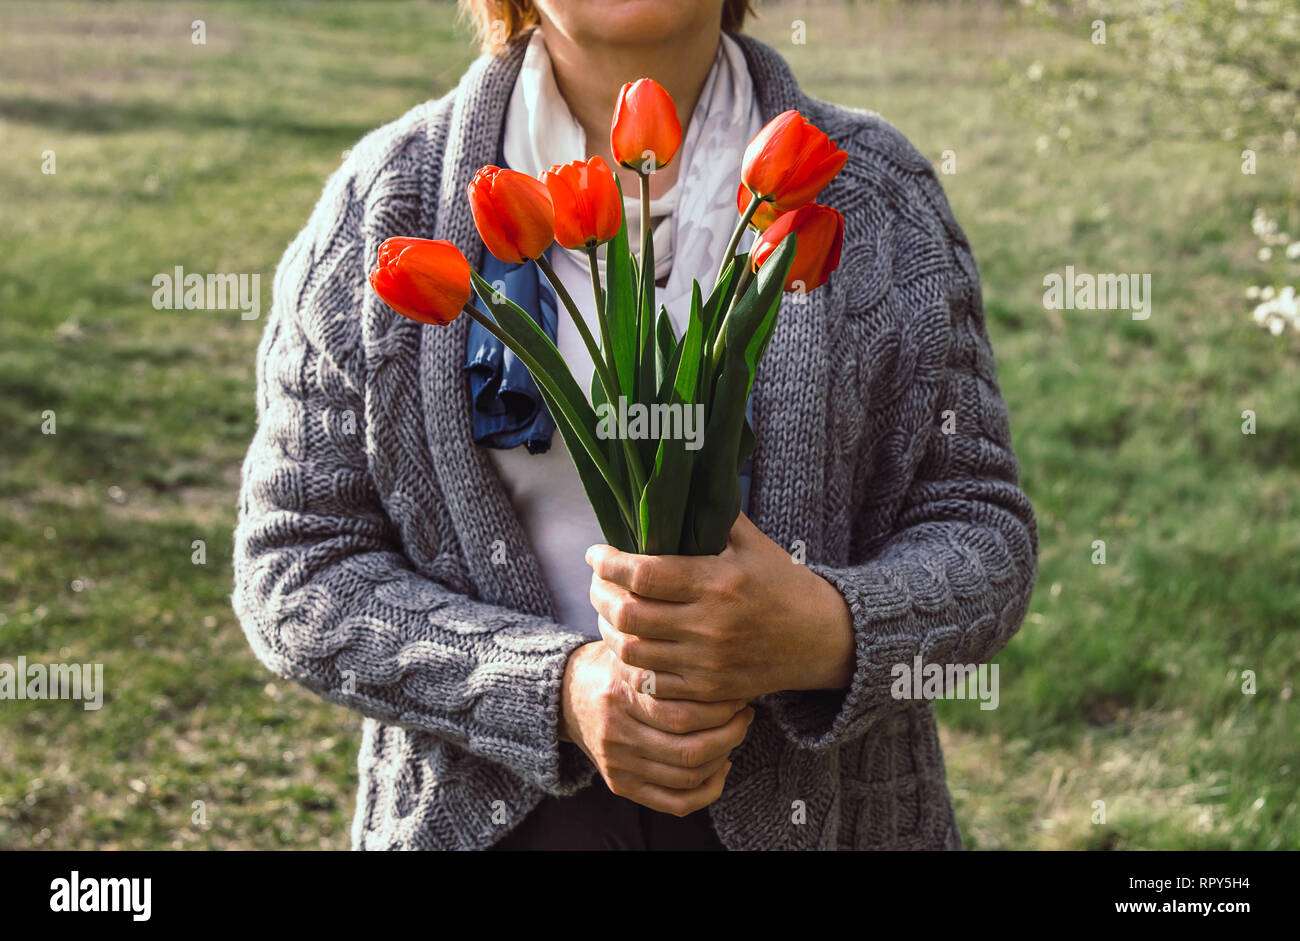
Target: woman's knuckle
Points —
{"points": [[697, 776], [609, 701], [728, 581], [711, 684], [712, 663], [631, 649], [642, 680], [675, 718], [646, 576], [626, 610], [677, 805], [609, 691]]}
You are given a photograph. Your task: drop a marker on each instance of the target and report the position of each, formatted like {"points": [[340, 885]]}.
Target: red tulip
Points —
{"points": [[820, 231], [790, 161], [513, 213], [763, 216], [588, 205], [645, 122], [422, 279]]}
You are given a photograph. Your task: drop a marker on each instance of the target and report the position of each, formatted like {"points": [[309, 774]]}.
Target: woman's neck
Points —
{"points": [[589, 76]]}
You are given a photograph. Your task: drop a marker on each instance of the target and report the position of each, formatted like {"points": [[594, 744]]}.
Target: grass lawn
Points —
{"points": [[1125, 684]]}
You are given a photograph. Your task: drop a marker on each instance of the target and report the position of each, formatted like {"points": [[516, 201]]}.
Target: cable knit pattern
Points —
{"points": [[378, 560]]}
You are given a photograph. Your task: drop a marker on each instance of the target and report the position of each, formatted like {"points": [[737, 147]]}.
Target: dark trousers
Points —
{"points": [[597, 819]]}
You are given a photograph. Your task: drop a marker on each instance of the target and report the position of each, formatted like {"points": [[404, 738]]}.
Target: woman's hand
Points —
{"points": [[666, 755], [734, 626]]}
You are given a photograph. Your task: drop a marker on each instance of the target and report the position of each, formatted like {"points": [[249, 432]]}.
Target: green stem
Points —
{"points": [[605, 343], [541, 377], [563, 293], [607, 382], [730, 253], [742, 283], [646, 386], [646, 276], [715, 349]]}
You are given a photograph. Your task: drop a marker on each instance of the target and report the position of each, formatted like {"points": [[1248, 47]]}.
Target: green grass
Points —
{"points": [[1125, 683]]}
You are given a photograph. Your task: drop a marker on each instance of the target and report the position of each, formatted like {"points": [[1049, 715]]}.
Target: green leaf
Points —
{"points": [[573, 415], [719, 299], [611, 445], [667, 490], [621, 305], [609, 516], [665, 348], [715, 486], [714, 500], [668, 375], [597, 391], [666, 498], [747, 442], [758, 344], [754, 317], [646, 385], [687, 374], [711, 315]]}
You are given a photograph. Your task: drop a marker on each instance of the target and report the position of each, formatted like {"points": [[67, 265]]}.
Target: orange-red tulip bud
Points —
{"points": [[513, 213], [763, 216], [790, 161], [588, 205], [422, 279], [820, 231], [646, 131]]}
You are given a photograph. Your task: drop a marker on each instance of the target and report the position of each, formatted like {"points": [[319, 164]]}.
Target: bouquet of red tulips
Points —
{"points": [[659, 493]]}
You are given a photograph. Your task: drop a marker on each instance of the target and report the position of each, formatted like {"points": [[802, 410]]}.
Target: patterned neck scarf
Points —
{"points": [[690, 223], [694, 218]]}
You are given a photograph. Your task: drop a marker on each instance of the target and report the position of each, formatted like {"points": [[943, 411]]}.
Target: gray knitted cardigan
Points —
{"points": [[364, 554]]}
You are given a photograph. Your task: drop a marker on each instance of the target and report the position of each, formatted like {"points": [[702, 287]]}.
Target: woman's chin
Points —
{"points": [[636, 22]]}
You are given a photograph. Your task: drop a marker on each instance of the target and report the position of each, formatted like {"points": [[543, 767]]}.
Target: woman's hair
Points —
{"points": [[497, 22]]}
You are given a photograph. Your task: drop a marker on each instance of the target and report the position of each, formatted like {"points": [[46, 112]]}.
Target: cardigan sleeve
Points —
{"points": [[951, 582], [323, 589]]}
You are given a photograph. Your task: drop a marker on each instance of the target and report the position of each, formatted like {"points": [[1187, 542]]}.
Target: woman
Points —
{"points": [[403, 552]]}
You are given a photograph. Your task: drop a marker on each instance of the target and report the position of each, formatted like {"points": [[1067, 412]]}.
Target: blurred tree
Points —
{"points": [[1235, 63]]}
